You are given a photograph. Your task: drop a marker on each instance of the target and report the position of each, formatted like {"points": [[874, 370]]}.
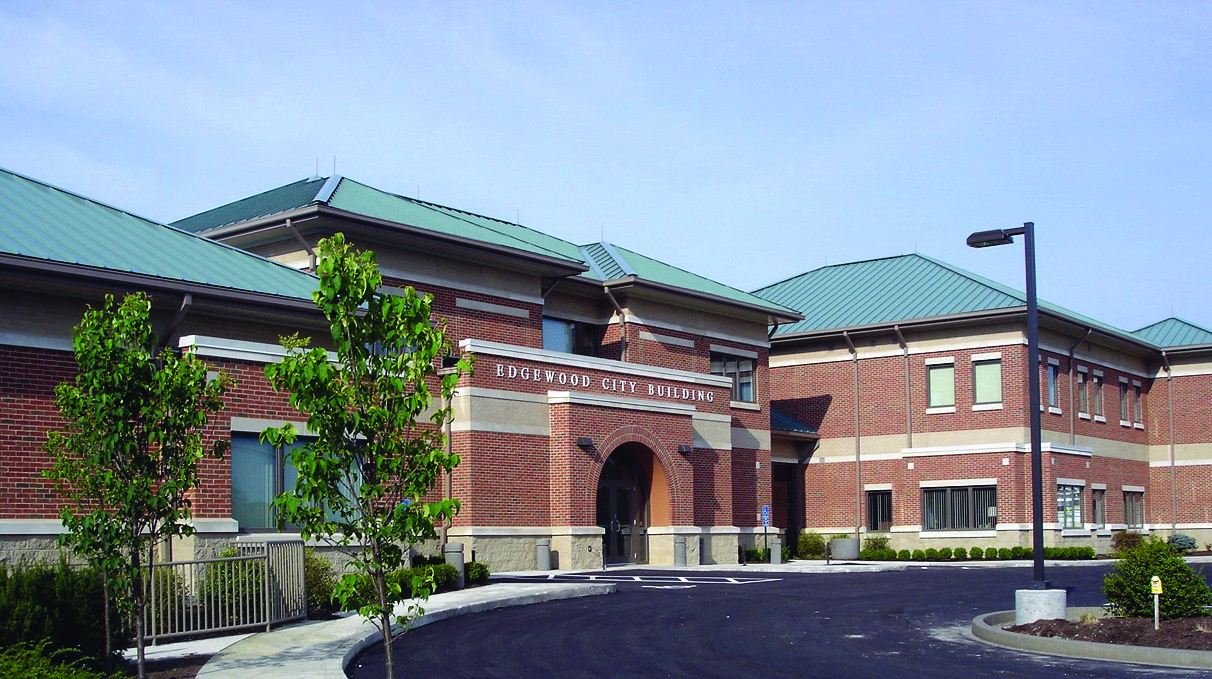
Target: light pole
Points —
{"points": [[984, 239]]}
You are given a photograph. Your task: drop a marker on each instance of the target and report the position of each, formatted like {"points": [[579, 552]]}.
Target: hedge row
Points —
{"points": [[975, 554]]}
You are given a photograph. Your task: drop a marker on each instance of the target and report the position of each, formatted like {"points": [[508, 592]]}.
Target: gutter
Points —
{"points": [[858, 445], [900, 338], [622, 323], [1173, 470]]}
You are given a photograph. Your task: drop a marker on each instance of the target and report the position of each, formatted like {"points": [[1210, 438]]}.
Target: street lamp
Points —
{"points": [[984, 239]]}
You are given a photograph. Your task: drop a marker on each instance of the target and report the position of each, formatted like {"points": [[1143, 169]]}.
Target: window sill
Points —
{"points": [[1102, 533], [987, 406], [940, 410], [744, 405], [1075, 533], [1054, 410], [1138, 425], [1125, 423], [1083, 416], [1100, 418]]}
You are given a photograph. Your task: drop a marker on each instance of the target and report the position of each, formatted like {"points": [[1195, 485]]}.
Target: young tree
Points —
{"points": [[129, 454], [362, 483]]}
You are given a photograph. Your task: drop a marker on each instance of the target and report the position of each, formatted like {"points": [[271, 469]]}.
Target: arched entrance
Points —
{"points": [[631, 489]]}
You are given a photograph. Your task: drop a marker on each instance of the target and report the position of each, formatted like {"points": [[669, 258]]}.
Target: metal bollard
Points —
{"points": [[679, 550], [453, 553], [543, 554], [776, 551]]}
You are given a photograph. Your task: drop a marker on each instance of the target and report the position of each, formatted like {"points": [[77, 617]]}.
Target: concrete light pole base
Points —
{"points": [[1039, 604]]}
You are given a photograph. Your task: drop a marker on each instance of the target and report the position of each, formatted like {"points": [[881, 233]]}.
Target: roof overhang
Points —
{"points": [[673, 294], [320, 220]]}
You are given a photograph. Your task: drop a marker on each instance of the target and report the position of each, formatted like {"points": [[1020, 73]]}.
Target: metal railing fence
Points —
{"points": [[261, 586]]}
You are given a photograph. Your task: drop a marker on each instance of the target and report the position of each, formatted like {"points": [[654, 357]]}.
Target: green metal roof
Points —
{"points": [[42, 222], [780, 421], [611, 262], [896, 290], [272, 202], [607, 262], [1175, 332]]}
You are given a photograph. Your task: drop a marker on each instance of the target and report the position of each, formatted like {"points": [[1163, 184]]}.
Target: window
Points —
{"points": [[959, 508], [1083, 393], [987, 382], [1069, 506], [1098, 395], [1137, 409], [571, 337], [259, 473], [940, 384], [879, 510], [1123, 402], [740, 369], [1053, 385], [1098, 515], [1134, 509]]}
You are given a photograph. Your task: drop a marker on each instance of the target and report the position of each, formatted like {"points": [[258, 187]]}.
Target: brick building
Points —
{"points": [[914, 375], [617, 402]]}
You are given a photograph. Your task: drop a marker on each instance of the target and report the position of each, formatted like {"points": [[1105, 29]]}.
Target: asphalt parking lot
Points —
{"points": [[912, 623]]}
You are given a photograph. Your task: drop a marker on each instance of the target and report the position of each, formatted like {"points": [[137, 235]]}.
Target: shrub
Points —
{"points": [[477, 572], [919, 555], [904, 555], [1123, 541], [1003, 553], [443, 575], [876, 542], [319, 581], [977, 553], [944, 553], [1017, 553], [757, 554], [811, 545], [931, 554], [1128, 590], [58, 607], [961, 553], [1181, 543], [230, 590], [24, 661]]}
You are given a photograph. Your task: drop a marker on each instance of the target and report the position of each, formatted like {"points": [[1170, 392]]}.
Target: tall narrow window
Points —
{"points": [[741, 370], [1123, 402], [1137, 408], [259, 473], [1098, 503], [1053, 385], [1098, 395], [987, 382], [1083, 393], [940, 385], [1134, 509], [1069, 506], [879, 510]]}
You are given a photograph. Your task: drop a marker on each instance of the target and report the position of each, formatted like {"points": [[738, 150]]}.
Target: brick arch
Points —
{"points": [[643, 436]]}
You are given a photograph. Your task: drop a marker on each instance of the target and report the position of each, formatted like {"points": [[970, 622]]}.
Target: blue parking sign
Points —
{"points": [[765, 515]]}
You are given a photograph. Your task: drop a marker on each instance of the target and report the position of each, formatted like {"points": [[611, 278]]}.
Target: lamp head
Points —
{"points": [[985, 239]]}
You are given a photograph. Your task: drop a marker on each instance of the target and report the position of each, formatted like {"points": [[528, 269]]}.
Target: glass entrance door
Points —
{"points": [[620, 513]]}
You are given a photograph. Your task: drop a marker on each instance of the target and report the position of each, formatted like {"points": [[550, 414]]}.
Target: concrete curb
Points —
{"points": [[324, 648], [990, 628]]}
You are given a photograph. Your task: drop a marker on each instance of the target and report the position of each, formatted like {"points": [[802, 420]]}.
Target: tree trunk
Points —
{"points": [[389, 663], [109, 638]]}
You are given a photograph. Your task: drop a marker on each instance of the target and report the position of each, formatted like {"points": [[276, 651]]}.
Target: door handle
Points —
{"points": [[615, 526]]}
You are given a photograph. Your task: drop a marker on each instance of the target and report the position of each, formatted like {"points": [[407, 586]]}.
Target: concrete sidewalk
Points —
{"points": [[324, 648]]}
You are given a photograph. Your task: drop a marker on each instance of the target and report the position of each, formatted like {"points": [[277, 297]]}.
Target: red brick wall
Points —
{"points": [[27, 412]]}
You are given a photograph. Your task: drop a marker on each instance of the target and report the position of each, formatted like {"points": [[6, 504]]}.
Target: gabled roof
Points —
{"points": [[607, 262], [897, 290], [42, 225], [1175, 332]]}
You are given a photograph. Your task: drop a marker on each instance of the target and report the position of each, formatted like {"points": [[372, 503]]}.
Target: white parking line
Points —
{"points": [[672, 579]]}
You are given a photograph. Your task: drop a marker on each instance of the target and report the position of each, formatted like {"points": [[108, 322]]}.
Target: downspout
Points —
{"points": [[1173, 472], [908, 388], [622, 324], [311, 254], [858, 446], [1072, 413]]}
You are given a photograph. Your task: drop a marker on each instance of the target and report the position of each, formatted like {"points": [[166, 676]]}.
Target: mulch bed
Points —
{"points": [[1193, 634]]}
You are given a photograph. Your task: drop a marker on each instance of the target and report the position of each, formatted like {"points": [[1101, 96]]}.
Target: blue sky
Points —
{"points": [[746, 141]]}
